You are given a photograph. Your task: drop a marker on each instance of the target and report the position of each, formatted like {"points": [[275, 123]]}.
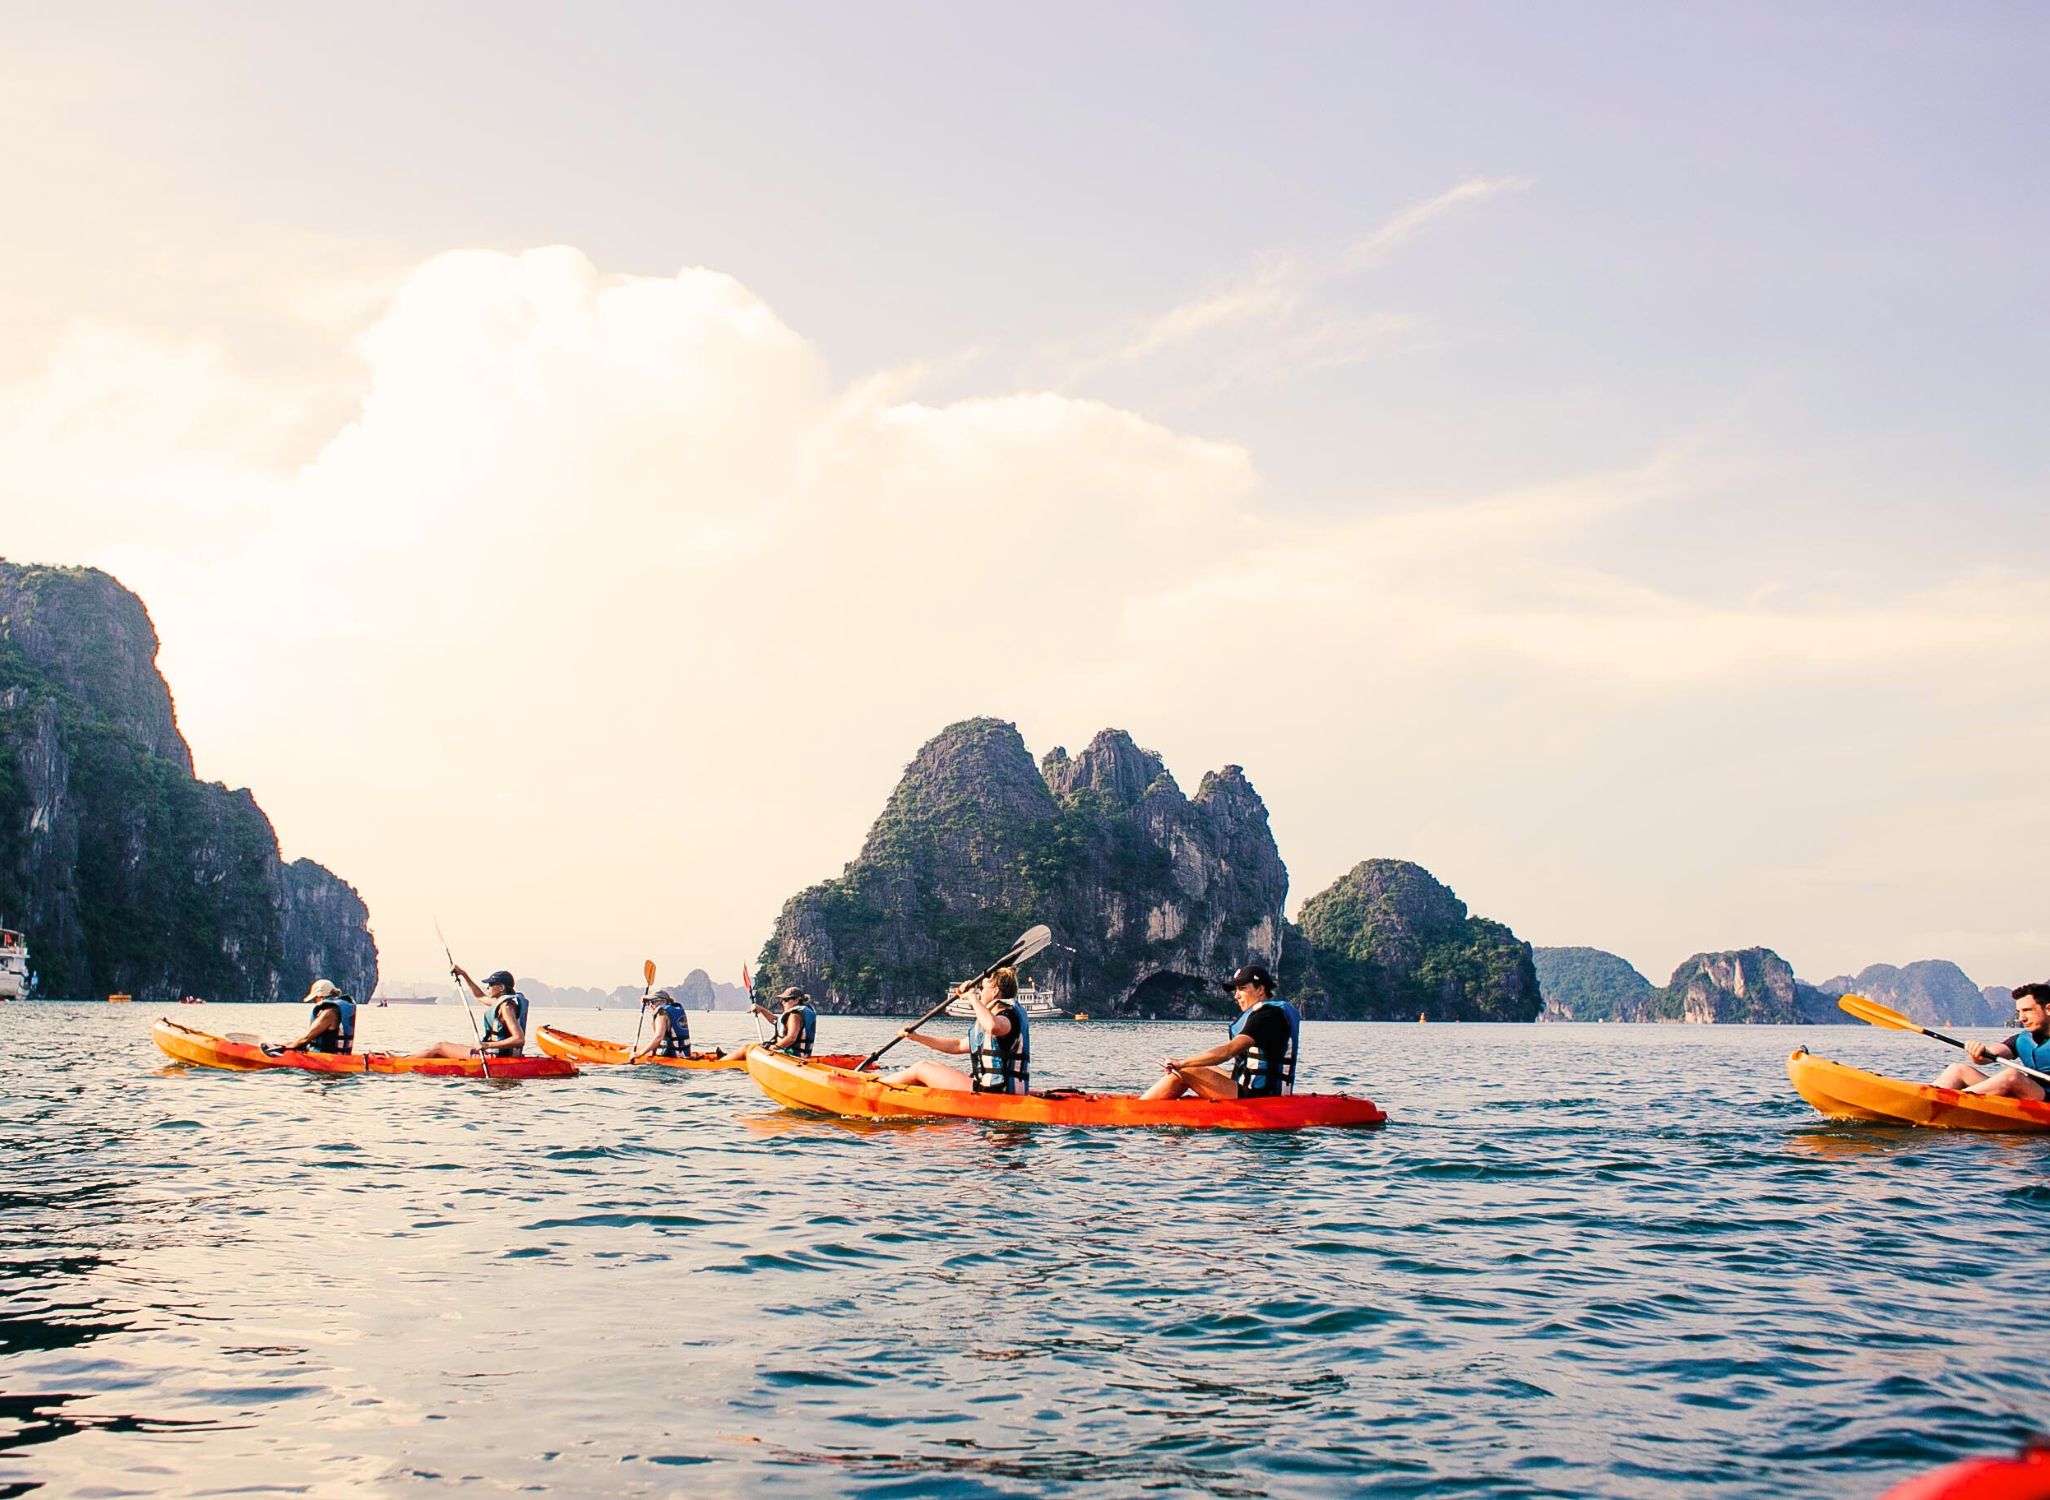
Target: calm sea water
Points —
{"points": [[1580, 1261]]}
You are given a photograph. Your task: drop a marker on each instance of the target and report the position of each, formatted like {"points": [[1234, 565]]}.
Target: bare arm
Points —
{"points": [[1224, 1051], [515, 1035], [328, 1020], [953, 1046]]}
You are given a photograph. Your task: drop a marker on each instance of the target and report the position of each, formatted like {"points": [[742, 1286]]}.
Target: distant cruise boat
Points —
{"points": [[1037, 1004], [13, 964]]}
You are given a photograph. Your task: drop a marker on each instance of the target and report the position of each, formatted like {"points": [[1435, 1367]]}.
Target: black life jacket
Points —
{"points": [[1257, 1074]]}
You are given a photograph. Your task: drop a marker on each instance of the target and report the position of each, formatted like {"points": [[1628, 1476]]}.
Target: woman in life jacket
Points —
{"points": [[334, 1022], [1261, 1048], [2030, 1047], [672, 1028], [998, 1045], [797, 1025], [505, 1018]]}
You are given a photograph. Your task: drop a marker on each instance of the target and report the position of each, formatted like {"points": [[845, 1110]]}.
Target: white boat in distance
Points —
{"points": [[1037, 1004], [13, 964]]}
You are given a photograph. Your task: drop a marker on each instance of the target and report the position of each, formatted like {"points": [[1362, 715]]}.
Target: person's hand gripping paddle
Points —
{"points": [[1030, 944], [1874, 1014]]}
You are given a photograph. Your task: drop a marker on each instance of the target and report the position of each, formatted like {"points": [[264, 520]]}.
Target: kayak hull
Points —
{"points": [[1846, 1093], [2024, 1478], [202, 1050], [824, 1089], [556, 1042]]}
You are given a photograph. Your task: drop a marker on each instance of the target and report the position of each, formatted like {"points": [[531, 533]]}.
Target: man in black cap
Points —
{"points": [[1261, 1048], [505, 1018]]}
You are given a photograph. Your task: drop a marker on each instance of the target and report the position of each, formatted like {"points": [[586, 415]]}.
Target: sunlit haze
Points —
{"points": [[574, 459]]}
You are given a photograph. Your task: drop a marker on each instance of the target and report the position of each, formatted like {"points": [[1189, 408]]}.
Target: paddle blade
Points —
{"points": [[648, 972], [1873, 1013], [746, 981]]}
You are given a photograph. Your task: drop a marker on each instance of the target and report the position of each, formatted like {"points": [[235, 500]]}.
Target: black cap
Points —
{"points": [[499, 976], [1258, 974], [793, 993]]}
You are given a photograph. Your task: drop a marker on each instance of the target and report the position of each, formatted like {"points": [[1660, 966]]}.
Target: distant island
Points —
{"points": [[697, 990], [1754, 985], [1153, 896]]}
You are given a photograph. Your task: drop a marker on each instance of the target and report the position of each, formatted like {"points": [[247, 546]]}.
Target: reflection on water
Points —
{"points": [[1616, 1267]]}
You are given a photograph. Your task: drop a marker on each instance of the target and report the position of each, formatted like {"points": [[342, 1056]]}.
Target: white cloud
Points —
{"points": [[611, 616]]}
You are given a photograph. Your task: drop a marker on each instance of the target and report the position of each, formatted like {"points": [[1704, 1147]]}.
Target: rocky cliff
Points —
{"points": [[1388, 941], [1751, 985], [1153, 896], [124, 871], [1587, 984], [1933, 992]]}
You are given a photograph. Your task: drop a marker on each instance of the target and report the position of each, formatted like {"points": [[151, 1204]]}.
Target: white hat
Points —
{"points": [[321, 990]]}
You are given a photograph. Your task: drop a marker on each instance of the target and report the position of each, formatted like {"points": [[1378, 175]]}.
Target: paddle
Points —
{"points": [[647, 973], [747, 983], [1873, 1013], [463, 994], [1030, 944]]}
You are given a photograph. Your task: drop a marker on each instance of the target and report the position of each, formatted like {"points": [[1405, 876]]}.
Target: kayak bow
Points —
{"points": [[825, 1089], [198, 1048], [1846, 1093]]}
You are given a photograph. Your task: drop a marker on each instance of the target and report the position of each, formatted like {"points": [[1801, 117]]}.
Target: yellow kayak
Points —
{"points": [[1845, 1093]]}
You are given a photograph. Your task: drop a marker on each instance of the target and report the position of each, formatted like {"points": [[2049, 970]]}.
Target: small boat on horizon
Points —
{"points": [[14, 975], [1038, 1004]]}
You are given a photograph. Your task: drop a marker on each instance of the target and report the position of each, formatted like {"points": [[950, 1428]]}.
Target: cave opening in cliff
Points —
{"points": [[1170, 996]]}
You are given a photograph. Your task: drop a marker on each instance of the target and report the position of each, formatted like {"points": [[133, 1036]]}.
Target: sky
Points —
{"points": [[574, 456]]}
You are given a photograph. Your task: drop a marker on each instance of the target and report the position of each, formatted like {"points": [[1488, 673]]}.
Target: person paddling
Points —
{"points": [[672, 1028], [998, 1046], [334, 1022], [1261, 1048], [505, 1018], [2030, 1047], [797, 1025]]}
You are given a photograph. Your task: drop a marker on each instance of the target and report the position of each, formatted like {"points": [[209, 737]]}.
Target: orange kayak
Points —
{"points": [[1845, 1093], [183, 1044], [590, 1049], [825, 1089], [2026, 1477]]}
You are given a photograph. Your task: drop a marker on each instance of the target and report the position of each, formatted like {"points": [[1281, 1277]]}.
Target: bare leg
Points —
{"points": [[1206, 1083], [2009, 1083], [1169, 1087], [1959, 1076], [932, 1075], [445, 1049]]}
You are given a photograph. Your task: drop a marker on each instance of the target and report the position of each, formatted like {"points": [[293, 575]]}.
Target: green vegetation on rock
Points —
{"points": [[1152, 896], [1587, 984], [125, 872], [1388, 941]]}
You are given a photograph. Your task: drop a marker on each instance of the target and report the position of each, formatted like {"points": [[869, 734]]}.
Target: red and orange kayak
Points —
{"points": [[556, 1042], [2025, 1477], [183, 1044], [1846, 1093], [825, 1089]]}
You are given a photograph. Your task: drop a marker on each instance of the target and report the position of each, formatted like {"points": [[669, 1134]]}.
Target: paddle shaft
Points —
{"points": [[648, 974], [1029, 943], [463, 994]]}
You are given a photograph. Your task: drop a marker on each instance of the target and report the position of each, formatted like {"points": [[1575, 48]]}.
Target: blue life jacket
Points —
{"points": [[495, 1030], [807, 1034], [343, 1037], [1257, 1074], [1001, 1064], [2029, 1052], [676, 1043]]}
